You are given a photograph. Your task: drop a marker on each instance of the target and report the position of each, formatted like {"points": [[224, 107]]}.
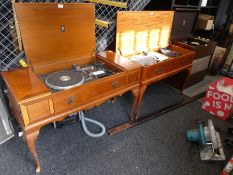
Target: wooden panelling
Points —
{"points": [[200, 51], [54, 32], [133, 77], [65, 100], [25, 85], [24, 113], [110, 85], [38, 110], [51, 106], [118, 60], [139, 31], [65, 64], [158, 69], [184, 61], [15, 109]]}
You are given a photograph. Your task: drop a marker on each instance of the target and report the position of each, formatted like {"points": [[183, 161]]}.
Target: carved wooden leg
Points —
{"points": [[31, 138], [186, 79], [113, 100], [136, 95], [141, 93]]}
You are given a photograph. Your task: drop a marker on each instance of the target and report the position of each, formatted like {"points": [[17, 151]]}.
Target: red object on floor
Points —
{"points": [[224, 173], [219, 98], [228, 168]]}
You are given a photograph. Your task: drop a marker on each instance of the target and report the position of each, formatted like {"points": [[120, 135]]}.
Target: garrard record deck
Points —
{"points": [[66, 79]]}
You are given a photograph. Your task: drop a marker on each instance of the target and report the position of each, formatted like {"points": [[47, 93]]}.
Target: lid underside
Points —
{"points": [[54, 33], [139, 31], [183, 23]]}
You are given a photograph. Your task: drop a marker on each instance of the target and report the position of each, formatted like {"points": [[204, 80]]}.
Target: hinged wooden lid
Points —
{"points": [[183, 23], [139, 31], [55, 33]]}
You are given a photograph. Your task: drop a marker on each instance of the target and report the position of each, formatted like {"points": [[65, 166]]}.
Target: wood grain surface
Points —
{"points": [[52, 34], [139, 31]]}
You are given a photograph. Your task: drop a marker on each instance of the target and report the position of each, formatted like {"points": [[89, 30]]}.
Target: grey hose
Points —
{"points": [[83, 120]]}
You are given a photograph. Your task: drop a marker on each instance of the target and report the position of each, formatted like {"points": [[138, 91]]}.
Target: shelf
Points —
{"points": [[175, 5], [193, 6], [186, 7], [102, 23], [110, 3], [209, 7]]}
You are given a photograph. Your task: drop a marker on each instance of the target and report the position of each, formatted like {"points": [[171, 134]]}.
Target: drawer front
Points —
{"points": [[133, 77], [110, 85], [72, 98], [27, 113], [160, 69], [38, 110], [184, 61], [13, 105]]}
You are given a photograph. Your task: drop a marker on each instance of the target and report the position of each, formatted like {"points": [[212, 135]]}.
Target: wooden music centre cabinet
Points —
{"points": [[144, 31], [183, 36], [55, 37]]}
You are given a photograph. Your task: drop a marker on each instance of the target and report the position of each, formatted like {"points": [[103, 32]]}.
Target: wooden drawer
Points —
{"points": [[159, 69], [13, 105], [165, 67], [184, 61], [133, 77], [72, 98], [38, 110], [110, 85]]}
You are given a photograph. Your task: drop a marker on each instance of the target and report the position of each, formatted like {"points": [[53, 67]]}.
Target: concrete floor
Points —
{"points": [[202, 86]]}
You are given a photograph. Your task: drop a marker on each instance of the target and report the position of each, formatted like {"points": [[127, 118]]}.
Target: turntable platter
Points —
{"points": [[64, 79]]}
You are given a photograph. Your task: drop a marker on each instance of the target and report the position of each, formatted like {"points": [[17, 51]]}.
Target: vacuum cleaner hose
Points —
{"points": [[83, 120]]}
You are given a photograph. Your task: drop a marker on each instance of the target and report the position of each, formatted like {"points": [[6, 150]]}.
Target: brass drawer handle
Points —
{"points": [[183, 62], [158, 70], [115, 84], [70, 100]]}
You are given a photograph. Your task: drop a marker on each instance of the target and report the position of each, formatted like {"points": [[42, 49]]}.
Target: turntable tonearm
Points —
{"points": [[55, 38]]}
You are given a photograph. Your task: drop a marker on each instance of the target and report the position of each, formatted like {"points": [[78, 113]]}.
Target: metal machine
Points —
{"points": [[209, 139], [6, 129]]}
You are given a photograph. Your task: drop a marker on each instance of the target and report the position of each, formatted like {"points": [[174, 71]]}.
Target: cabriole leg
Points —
{"points": [[141, 93], [31, 138], [135, 93]]}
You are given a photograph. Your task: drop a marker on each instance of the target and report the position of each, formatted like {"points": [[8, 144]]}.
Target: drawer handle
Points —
{"points": [[158, 71], [115, 84], [70, 100], [183, 62]]}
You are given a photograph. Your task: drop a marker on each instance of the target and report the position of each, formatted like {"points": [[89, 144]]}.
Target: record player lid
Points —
{"points": [[183, 23], [139, 31], [55, 33]]}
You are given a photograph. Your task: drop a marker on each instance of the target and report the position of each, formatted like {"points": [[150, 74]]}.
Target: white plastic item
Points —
{"points": [[5, 128], [144, 60]]}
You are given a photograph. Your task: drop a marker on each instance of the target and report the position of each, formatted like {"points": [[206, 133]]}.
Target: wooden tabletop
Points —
{"points": [[24, 84], [122, 61]]}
